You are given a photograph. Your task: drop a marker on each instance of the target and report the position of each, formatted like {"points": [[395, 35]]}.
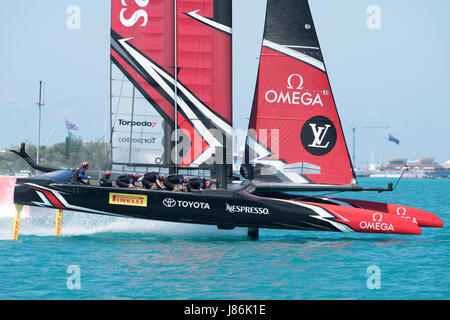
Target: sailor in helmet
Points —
{"points": [[105, 180], [80, 174], [127, 180]]}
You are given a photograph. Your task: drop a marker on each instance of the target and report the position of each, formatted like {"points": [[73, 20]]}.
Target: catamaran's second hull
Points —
{"points": [[226, 209], [420, 217]]}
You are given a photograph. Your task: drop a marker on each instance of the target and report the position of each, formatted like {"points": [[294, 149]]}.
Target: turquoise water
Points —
{"points": [[134, 259]]}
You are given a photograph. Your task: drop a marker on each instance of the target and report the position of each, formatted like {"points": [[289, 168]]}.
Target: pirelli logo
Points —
{"points": [[128, 199]]}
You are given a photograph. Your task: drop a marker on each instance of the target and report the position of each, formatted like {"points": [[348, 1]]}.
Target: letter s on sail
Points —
{"points": [[136, 15]]}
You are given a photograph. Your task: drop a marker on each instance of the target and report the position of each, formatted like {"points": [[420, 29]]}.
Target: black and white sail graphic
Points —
{"points": [[137, 135]]}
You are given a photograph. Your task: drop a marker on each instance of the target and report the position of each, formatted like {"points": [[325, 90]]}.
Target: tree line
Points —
{"points": [[68, 154]]}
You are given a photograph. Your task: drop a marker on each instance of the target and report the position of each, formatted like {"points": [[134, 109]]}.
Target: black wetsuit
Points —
{"points": [[104, 182], [125, 180], [172, 181], [150, 178], [196, 184], [78, 176]]}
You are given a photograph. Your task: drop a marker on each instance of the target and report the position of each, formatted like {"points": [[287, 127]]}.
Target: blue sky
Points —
{"points": [[396, 76]]}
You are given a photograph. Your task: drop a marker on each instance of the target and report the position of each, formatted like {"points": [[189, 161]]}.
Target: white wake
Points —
{"points": [[41, 222]]}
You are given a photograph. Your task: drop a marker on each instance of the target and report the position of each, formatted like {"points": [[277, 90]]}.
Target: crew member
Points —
{"points": [[104, 181], [127, 180], [198, 184], [174, 182], [153, 180], [80, 174]]}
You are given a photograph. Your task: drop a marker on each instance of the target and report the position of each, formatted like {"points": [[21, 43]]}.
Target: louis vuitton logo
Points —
{"points": [[319, 136]]}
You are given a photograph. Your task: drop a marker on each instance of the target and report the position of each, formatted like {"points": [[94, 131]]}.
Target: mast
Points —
{"points": [[222, 165], [131, 127], [175, 91], [110, 111]]}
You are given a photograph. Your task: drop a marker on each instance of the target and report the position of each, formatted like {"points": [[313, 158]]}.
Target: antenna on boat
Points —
{"points": [[54, 129], [405, 168], [354, 127]]}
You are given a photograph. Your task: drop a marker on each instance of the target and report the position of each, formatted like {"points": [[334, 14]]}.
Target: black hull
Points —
{"points": [[225, 209]]}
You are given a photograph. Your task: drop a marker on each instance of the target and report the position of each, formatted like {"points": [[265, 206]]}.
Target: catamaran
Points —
{"points": [[171, 109]]}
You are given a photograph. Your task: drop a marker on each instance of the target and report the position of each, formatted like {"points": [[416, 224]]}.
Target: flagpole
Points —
{"points": [[354, 127], [40, 105], [354, 146]]}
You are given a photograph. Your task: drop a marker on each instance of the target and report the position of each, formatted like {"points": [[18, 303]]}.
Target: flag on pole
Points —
{"points": [[394, 139], [71, 126]]}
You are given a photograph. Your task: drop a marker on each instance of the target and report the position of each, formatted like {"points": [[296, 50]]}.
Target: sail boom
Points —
{"points": [[258, 187]]}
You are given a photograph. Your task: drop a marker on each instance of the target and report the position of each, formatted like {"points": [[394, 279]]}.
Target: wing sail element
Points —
{"points": [[171, 82], [295, 134]]}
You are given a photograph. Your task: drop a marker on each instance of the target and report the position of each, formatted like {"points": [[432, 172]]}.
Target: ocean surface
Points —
{"points": [[116, 258]]}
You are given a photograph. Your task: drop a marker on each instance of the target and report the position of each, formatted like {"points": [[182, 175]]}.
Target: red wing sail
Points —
{"points": [[147, 39], [295, 134], [140, 115], [204, 60]]}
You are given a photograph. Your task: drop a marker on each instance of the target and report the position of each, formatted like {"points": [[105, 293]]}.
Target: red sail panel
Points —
{"points": [[204, 53], [295, 134], [204, 68], [143, 47], [142, 113], [195, 67], [149, 26], [195, 49], [295, 98]]}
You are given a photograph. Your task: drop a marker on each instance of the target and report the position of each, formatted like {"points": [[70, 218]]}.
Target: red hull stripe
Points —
{"points": [[369, 221], [51, 197]]}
